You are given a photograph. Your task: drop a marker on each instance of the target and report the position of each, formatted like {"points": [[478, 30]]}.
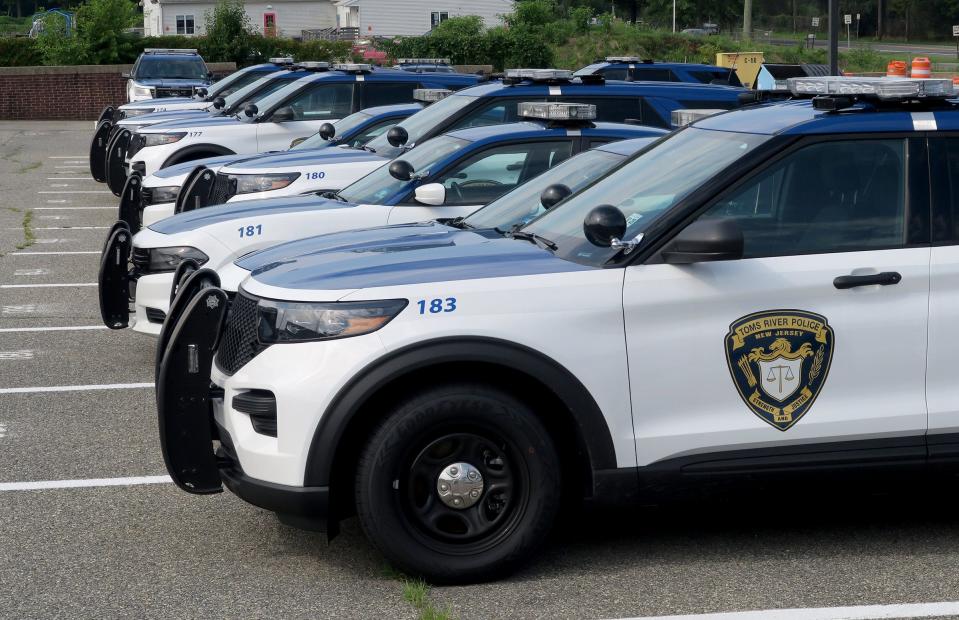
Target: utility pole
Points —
{"points": [[748, 19], [674, 16], [833, 37], [879, 21]]}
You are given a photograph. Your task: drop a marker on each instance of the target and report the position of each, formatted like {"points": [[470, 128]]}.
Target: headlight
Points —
{"points": [[251, 183], [283, 321], [159, 139], [168, 259], [160, 195], [136, 112], [142, 91]]}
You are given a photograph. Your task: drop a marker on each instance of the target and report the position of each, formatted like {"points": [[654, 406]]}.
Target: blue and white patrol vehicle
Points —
{"points": [[451, 176], [296, 111], [155, 198], [159, 73], [766, 294], [635, 68]]}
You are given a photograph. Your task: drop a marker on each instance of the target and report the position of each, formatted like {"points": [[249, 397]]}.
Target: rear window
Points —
{"points": [[707, 77]]}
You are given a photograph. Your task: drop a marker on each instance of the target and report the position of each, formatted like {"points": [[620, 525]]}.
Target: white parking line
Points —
{"points": [[53, 253], [22, 354], [76, 388], [30, 272], [78, 191], [48, 285], [41, 485], [67, 328], [18, 309], [70, 208], [68, 179], [65, 157], [859, 612], [57, 202]]}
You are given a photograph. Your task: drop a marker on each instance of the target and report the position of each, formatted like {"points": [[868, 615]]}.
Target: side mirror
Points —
{"points": [[433, 194], [297, 142], [201, 92], [209, 75], [125, 76], [250, 110], [327, 131], [219, 103], [603, 224], [705, 240], [554, 194], [401, 170], [397, 136], [282, 115]]}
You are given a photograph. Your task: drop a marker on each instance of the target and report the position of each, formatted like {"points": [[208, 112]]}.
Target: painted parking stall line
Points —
{"points": [[76, 388], [859, 612], [23, 354], [64, 328], [55, 253], [76, 191], [42, 485], [68, 285], [72, 208]]}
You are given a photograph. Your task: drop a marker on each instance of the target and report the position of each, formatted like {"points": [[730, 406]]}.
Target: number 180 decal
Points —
{"points": [[435, 306]]}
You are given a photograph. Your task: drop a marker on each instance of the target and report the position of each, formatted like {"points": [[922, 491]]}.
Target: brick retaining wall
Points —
{"points": [[67, 93]]}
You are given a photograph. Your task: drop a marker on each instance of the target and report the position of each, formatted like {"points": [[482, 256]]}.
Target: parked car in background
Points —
{"points": [[161, 73], [634, 68]]}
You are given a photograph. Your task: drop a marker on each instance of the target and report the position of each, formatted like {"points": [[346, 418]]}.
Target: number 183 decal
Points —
{"points": [[436, 306]]}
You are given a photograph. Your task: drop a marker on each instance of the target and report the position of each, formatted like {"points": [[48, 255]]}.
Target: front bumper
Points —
{"points": [[199, 444]]}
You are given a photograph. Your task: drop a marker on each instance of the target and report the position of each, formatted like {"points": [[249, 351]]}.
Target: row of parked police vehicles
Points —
{"points": [[454, 306]]}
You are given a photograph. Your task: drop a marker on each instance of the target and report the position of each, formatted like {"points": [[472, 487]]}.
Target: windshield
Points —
{"points": [[277, 95], [232, 83], [379, 185], [344, 127], [420, 123], [522, 204], [644, 188], [255, 92], [186, 68]]}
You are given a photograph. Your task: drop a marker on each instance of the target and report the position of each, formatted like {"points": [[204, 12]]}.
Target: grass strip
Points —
{"points": [[28, 236], [416, 592]]}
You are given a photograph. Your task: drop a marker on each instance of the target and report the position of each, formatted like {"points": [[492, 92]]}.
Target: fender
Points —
{"points": [[591, 424], [185, 154]]}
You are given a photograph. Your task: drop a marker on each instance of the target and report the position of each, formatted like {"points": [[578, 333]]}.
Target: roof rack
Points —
{"points": [[547, 111], [311, 65], [281, 60], [353, 67], [688, 116], [422, 61], [162, 50], [431, 95], [514, 76], [882, 88]]}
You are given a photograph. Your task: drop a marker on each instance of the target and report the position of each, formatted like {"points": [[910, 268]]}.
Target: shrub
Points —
{"points": [[229, 35], [19, 52], [581, 17], [100, 25], [56, 47]]}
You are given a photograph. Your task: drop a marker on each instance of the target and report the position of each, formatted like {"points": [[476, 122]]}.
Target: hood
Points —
{"points": [[177, 83], [152, 103], [152, 118], [192, 122], [399, 255], [188, 166], [191, 220], [306, 157]]}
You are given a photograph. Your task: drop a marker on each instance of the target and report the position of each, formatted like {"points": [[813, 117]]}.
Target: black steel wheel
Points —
{"points": [[459, 484]]}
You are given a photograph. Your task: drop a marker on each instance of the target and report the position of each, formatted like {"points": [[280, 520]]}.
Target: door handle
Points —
{"points": [[883, 279]]}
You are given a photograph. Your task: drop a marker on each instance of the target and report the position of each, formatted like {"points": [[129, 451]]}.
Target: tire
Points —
{"points": [[398, 484]]}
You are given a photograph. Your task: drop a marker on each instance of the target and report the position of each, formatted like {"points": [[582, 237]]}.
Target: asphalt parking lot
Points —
{"points": [[91, 527]]}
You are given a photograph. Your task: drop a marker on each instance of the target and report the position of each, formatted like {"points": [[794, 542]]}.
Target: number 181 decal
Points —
{"points": [[435, 306], [250, 231]]}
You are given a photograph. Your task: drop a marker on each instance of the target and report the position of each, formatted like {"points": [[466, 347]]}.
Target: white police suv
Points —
{"points": [[725, 304], [452, 176], [296, 111], [156, 197]]}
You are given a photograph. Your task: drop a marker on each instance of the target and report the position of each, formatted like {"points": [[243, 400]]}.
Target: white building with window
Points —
{"points": [[281, 18], [387, 18]]}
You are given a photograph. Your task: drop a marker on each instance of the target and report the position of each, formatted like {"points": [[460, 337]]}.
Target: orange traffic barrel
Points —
{"points": [[921, 67], [896, 68]]}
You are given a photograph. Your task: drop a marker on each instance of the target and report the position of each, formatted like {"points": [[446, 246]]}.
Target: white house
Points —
{"points": [[387, 18], [282, 18]]}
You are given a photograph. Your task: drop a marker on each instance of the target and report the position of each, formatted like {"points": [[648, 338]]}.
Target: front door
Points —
{"points": [[269, 24], [791, 345]]}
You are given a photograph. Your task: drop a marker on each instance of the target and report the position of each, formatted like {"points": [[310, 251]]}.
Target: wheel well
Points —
{"points": [[543, 401], [192, 154]]}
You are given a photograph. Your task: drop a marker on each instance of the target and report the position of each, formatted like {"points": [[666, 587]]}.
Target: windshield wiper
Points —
{"points": [[458, 222], [332, 196], [516, 233]]}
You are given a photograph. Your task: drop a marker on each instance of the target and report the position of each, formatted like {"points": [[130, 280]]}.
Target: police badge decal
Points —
{"points": [[779, 360]]}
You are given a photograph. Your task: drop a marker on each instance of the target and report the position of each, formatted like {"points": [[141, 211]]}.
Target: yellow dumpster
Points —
{"points": [[746, 65]]}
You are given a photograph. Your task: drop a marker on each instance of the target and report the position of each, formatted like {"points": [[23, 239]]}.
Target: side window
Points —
{"points": [[615, 73], [653, 74], [944, 153], [371, 132], [610, 109], [827, 197], [323, 101], [487, 175], [387, 93], [494, 113]]}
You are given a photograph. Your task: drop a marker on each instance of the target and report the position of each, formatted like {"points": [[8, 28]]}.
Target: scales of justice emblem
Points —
{"points": [[779, 360]]}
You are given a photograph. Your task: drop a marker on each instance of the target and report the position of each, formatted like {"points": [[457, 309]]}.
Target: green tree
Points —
{"points": [[100, 28], [229, 34], [57, 46]]}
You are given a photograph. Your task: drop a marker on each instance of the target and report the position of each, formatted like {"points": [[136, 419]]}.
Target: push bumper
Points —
{"points": [[115, 278], [189, 432]]}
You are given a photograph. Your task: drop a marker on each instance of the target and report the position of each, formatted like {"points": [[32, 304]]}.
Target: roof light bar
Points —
{"points": [[314, 65], [431, 95], [681, 118], [557, 111], [539, 75], [623, 59], [164, 50], [282, 60], [353, 67], [881, 88], [422, 61]]}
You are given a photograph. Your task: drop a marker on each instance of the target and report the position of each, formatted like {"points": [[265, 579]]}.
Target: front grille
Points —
{"points": [[137, 142], [155, 315], [238, 343], [224, 188], [168, 91], [141, 259]]}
